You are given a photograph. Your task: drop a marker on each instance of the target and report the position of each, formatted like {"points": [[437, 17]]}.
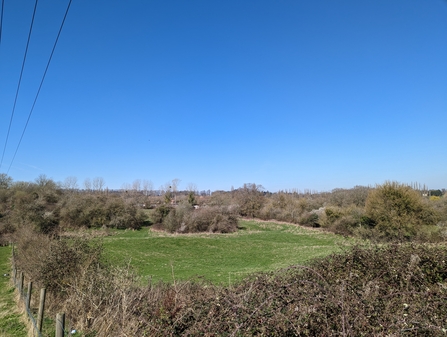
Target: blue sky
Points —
{"points": [[287, 94]]}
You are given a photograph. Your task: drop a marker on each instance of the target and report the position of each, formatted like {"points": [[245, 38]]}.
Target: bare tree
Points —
{"points": [[147, 187], [174, 185], [98, 184], [192, 187], [136, 185], [87, 184], [42, 180], [70, 183], [166, 190]]}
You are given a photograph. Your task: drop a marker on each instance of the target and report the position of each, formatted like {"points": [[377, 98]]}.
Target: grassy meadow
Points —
{"points": [[220, 258]]}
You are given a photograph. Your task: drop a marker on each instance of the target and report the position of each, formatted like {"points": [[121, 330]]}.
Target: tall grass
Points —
{"points": [[10, 318]]}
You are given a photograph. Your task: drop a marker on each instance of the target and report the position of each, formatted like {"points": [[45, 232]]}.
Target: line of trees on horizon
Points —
{"points": [[360, 211]]}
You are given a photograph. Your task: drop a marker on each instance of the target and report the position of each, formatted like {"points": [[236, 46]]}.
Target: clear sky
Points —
{"points": [[289, 94]]}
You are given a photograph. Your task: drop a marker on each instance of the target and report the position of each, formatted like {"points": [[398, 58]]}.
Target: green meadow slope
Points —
{"points": [[220, 258]]}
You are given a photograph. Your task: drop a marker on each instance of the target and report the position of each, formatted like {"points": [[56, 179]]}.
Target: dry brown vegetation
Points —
{"points": [[378, 291], [388, 290]]}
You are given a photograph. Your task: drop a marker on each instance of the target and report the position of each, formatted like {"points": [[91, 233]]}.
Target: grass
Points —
{"points": [[10, 319], [219, 258]]}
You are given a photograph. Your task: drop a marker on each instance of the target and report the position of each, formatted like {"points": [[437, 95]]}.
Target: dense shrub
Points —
{"points": [[32, 249], [84, 210], [342, 220], [213, 219], [310, 219], [65, 261], [399, 212], [160, 213], [288, 208], [250, 199], [440, 206], [177, 218], [186, 219]]}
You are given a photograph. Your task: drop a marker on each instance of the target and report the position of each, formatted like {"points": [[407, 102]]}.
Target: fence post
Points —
{"points": [[14, 275], [22, 278], [41, 308], [28, 296], [60, 324]]}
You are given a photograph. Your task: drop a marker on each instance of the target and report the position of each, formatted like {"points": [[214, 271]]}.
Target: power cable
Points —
{"points": [[1, 20], [20, 80], [40, 86]]}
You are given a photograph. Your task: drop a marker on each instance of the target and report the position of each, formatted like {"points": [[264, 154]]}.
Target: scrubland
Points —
{"points": [[371, 262]]}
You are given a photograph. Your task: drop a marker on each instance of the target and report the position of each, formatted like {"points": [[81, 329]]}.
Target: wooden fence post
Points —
{"points": [[28, 296], [60, 325], [41, 309], [22, 278]]}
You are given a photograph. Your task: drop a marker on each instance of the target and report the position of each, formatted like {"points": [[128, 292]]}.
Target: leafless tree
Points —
{"points": [[175, 184], [70, 183], [136, 185], [192, 187], [87, 184], [98, 184], [147, 187], [126, 187]]}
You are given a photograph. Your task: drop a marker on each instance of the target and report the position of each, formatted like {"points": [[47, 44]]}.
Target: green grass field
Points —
{"points": [[220, 258], [10, 320]]}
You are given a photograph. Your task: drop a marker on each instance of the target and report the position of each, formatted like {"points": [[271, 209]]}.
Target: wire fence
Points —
{"points": [[25, 295], [28, 310]]}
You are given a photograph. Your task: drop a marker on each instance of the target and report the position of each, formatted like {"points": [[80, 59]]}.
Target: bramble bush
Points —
{"points": [[379, 291]]}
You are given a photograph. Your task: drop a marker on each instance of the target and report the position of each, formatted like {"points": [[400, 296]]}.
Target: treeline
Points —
{"points": [[46, 207], [387, 212]]}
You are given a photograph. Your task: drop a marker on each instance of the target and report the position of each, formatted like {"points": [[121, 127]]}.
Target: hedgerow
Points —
{"points": [[396, 290], [377, 291]]}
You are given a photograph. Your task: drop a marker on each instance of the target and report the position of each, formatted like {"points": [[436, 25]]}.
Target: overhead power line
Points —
{"points": [[20, 79], [1, 20], [41, 82]]}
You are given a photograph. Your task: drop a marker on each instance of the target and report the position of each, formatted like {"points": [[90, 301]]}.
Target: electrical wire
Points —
{"points": [[1, 20], [20, 81], [41, 83]]}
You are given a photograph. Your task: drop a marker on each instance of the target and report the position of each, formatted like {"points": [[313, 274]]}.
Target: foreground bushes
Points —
{"points": [[398, 290], [380, 291]]}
